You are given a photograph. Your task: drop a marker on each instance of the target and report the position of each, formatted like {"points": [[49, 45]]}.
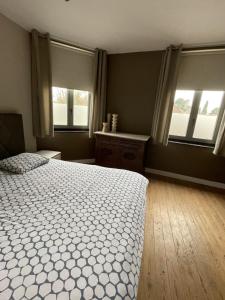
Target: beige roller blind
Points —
{"points": [[71, 68], [202, 71]]}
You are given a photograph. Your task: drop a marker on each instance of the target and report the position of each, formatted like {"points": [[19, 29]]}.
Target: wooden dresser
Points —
{"points": [[121, 150]]}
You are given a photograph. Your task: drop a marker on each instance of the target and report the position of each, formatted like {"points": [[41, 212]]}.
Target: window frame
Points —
{"points": [[70, 111], [189, 139]]}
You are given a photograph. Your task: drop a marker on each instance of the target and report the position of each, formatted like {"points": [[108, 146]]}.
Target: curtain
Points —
{"points": [[41, 74], [98, 106], [220, 141], [165, 95]]}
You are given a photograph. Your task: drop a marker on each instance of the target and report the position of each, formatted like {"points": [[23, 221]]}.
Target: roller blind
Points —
{"points": [[71, 68], [202, 71]]}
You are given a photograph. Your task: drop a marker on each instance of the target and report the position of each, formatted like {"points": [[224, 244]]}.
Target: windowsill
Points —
{"points": [[191, 144], [72, 131]]}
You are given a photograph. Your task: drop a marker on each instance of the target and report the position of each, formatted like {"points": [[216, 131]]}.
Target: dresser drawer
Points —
{"points": [[107, 154], [130, 159], [118, 152]]}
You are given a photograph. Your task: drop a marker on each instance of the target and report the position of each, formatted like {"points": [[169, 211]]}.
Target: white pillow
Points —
{"points": [[22, 163]]}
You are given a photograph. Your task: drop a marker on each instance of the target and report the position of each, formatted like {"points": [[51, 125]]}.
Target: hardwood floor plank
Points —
{"points": [[192, 281], [199, 290], [161, 261], [204, 259], [213, 229], [184, 248], [174, 268], [146, 282]]}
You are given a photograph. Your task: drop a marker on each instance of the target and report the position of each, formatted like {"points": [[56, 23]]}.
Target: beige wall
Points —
{"points": [[132, 84], [15, 93], [73, 145]]}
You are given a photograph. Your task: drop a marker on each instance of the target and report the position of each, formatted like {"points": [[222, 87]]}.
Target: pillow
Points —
{"points": [[22, 163]]}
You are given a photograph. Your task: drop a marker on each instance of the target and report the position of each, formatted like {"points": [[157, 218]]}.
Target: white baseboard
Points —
{"points": [[90, 161], [215, 184]]}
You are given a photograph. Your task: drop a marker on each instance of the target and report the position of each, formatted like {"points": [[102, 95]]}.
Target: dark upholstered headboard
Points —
{"points": [[11, 134]]}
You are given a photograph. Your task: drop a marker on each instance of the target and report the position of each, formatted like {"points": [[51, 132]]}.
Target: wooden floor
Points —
{"points": [[184, 250]]}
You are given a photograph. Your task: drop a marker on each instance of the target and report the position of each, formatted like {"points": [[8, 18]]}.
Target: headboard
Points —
{"points": [[11, 134]]}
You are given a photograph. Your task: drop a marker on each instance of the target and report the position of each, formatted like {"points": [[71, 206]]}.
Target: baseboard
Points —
{"points": [[215, 184], [205, 182], [89, 161]]}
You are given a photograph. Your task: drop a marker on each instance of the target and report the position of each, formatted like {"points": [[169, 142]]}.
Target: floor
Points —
{"points": [[184, 251]]}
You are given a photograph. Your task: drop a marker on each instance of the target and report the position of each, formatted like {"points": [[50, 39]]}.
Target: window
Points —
{"points": [[72, 78], [196, 116], [70, 109], [181, 112], [60, 106], [80, 108]]}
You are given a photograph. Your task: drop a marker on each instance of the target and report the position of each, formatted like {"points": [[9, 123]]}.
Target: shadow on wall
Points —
{"points": [[73, 145], [132, 85]]}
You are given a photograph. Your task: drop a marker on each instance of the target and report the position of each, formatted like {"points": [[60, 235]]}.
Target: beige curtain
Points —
{"points": [[98, 107], [41, 85], [220, 141], [165, 95]]}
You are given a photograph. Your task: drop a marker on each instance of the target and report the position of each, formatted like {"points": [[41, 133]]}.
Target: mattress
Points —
{"points": [[71, 231]]}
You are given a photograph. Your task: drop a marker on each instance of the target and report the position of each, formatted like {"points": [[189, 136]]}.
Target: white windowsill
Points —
{"points": [[72, 131], [191, 144]]}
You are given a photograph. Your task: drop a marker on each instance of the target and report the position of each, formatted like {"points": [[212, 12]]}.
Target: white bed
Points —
{"points": [[71, 231]]}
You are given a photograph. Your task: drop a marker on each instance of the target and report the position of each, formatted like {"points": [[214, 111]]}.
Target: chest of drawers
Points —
{"points": [[121, 150]]}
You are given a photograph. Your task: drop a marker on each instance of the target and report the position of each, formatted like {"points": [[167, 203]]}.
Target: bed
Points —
{"points": [[71, 231]]}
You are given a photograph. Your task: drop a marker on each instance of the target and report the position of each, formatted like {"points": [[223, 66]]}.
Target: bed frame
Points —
{"points": [[11, 134]]}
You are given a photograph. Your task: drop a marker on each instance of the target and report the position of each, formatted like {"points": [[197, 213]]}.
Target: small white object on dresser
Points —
{"points": [[50, 154]]}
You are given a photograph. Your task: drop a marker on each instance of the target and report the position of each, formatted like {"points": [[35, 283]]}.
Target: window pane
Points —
{"points": [[59, 96], [207, 115], [181, 112], [80, 108]]}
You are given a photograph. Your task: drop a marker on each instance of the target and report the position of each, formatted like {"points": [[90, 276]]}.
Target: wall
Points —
{"points": [[73, 145], [132, 84], [15, 93]]}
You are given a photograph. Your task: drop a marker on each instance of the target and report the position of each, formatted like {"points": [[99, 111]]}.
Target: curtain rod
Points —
{"points": [[67, 44], [204, 49], [70, 45]]}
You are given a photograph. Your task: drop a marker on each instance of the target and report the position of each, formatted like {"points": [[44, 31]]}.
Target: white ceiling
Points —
{"points": [[123, 25]]}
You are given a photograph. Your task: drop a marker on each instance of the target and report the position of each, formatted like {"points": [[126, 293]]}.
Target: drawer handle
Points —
{"points": [[129, 156]]}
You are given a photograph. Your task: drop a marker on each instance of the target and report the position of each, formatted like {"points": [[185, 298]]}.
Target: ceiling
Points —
{"points": [[123, 25]]}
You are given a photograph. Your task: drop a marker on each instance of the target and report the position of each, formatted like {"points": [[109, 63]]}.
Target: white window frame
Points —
{"points": [[70, 110], [192, 121]]}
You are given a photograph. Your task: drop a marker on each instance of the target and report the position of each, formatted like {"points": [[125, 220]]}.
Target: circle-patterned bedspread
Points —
{"points": [[71, 231]]}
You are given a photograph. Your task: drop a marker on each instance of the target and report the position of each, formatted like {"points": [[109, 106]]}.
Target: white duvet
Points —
{"points": [[71, 231]]}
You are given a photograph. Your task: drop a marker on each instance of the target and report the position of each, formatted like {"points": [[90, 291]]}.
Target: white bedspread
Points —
{"points": [[71, 231]]}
